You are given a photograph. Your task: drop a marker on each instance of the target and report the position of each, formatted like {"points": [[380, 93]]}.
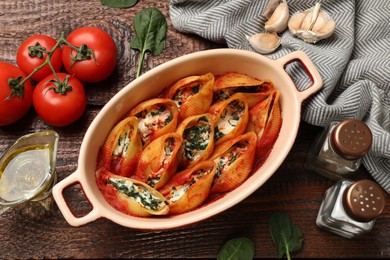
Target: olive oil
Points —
{"points": [[26, 173]]}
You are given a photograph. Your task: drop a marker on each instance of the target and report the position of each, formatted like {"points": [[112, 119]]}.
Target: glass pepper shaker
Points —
{"points": [[339, 149], [350, 208]]}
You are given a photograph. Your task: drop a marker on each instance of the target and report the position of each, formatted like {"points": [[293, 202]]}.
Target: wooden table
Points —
{"points": [[291, 189]]}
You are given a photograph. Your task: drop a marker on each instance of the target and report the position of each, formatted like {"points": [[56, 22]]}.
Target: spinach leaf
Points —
{"points": [[241, 248], [151, 29], [119, 3], [286, 236]]}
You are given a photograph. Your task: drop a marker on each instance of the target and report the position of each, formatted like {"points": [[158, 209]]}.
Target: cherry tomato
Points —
{"points": [[96, 67], [56, 105], [13, 106], [28, 60]]}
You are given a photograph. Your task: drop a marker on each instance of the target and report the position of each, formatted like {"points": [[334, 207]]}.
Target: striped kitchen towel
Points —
{"points": [[354, 62]]}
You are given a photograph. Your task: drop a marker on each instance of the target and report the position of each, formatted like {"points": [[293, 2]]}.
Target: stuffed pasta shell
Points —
{"points": [[131, 196], [230, 118], [234, 159], [193, 95], [189, 188], [156, 117], [265, 120], [198, 139], [254, 90], [159, 160], [122, 148]]}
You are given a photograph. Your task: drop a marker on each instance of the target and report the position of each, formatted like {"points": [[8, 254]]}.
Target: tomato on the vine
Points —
{"points": [[32, 53], [59, 103], [15, 99], [97, 58]]}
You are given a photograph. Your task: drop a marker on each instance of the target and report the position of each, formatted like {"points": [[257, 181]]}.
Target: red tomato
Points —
{"points": [[103, 47], [28, 63], [15, 107], [59, 109]]}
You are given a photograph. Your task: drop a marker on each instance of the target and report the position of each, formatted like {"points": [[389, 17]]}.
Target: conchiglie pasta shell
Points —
{"points": [[122, 148], [158, 162], [254, 98], [190, 153], [197, 191], [151, 124], [271, 131], [193, 103], [231, 174], [233, 79], [254, 90], [226, 126], [258, 116], [127, 204]]}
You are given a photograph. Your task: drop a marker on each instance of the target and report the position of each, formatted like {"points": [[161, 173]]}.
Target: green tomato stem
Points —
{"points": [[60, 41], [47, 61]]}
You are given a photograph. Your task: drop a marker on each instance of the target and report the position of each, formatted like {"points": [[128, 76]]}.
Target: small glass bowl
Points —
{"points": [[27, 169]]}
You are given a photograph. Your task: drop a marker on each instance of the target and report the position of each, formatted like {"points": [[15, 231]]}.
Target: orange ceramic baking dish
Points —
{"points": [[149, 85]]}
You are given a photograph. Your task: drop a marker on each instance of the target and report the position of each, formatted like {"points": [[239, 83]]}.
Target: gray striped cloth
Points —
{"points": [[354, 62]]}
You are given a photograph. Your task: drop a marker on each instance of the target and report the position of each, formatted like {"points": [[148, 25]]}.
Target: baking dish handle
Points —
{"points": [[64, 207], [310, 69]]}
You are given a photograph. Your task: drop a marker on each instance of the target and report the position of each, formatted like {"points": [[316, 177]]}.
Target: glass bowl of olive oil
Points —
{"points": [[27, 169]]}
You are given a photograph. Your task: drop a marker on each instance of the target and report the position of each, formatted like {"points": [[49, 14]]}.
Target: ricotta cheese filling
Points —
{"points": [[229, 118], [153, 119], [224, 161], [183, 94], [123, 142], [178, 192]]}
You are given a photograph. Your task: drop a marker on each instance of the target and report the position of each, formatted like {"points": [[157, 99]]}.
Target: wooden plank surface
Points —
{"points": [[292, 189]]}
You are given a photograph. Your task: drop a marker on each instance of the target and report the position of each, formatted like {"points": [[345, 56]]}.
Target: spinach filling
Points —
{"points": [[139, 193], [196, 138]]}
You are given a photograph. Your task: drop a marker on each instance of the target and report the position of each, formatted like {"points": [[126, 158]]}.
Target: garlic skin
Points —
{"points": [[264, 43], [277, 22], [312, 25]]}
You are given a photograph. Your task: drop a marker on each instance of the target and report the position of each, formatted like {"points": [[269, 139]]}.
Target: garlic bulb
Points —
{"points": [[264, 43], [312, 25], [277, 21]]}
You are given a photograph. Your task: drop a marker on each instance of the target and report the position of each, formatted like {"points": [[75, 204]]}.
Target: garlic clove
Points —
{"points": [[270, 8], [312, 25], [264, 43], [296, 21], [327, 30], [277, 22]]}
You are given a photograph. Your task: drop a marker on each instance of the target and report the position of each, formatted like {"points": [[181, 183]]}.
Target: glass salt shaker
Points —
{"points": [[339, 149], [350, 208]]}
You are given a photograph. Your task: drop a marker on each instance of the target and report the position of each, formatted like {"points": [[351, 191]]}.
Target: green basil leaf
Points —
{"points": [[241, 248], [119, 3], [151, 29], [286, 236]]}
